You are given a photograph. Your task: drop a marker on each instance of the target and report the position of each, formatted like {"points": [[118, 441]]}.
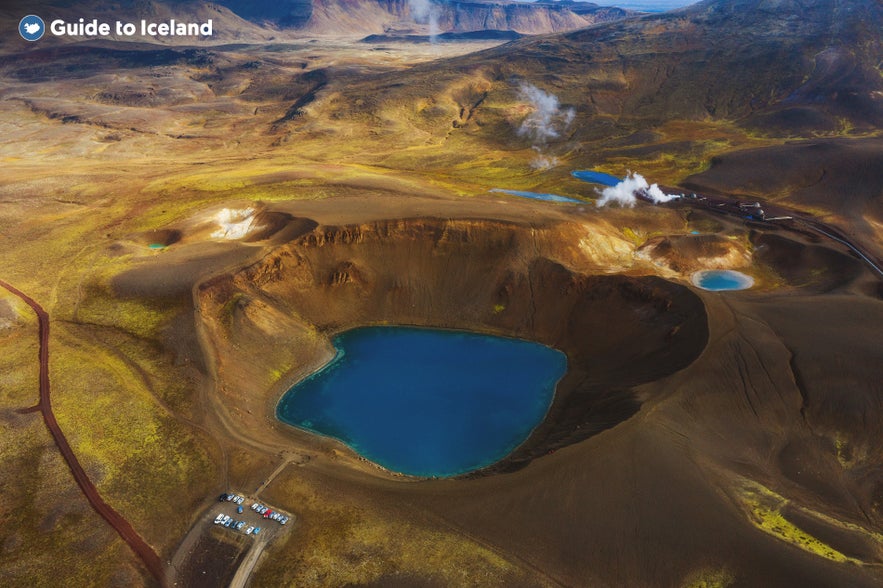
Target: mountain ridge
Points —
{"points": [[379, 16], [776, 66], [345, 17]]}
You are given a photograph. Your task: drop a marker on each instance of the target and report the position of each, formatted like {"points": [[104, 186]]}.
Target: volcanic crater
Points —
{"points": [[278, 315]]}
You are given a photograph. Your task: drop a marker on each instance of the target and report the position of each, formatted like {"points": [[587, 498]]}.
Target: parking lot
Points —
{"points": [[225, 544], [240, 514]]}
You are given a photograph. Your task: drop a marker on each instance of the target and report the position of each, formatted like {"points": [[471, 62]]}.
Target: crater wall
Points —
{"points": [[270, 323]]}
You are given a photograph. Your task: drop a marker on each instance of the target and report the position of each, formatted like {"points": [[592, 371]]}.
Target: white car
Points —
{"points": [[283, 520], [240, 500], [249, 530], [219, 518], [255, 506]]}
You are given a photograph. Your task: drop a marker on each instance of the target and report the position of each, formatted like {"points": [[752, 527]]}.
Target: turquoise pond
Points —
{"points": [[538, 196], [722, 280], [596, 177], [427, 402]]}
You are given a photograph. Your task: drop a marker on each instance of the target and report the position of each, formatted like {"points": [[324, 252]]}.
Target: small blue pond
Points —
{"points": [[538, 196], [721, 280], [596, 177], [427, 402]]}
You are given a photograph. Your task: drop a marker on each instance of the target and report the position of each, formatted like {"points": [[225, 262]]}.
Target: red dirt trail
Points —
{"points": [[121, 525]]}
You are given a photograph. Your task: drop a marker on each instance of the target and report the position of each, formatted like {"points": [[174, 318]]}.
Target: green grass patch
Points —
{"points": [[143, 461], [50, 534]]}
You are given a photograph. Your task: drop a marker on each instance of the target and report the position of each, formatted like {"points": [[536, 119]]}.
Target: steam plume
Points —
{"points": [[625, 193], [424, 11], [543, 162], [547, 121]]}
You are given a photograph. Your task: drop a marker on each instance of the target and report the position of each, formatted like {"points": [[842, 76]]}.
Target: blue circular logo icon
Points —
{"points": [[31, 28]]}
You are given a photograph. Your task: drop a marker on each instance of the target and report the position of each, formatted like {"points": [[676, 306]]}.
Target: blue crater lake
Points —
{"points": [[427, 402], [722, 280]]}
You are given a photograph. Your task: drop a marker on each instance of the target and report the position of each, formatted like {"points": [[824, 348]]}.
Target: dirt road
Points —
{"points": [[244, 571], [121, 525]]}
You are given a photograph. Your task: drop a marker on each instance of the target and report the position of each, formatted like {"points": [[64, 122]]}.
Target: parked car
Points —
{"points": [[228, 522], [222, 498], [257, 530], [219, 518], [249, 530], [239, 509], [255, 506], [240, 500], [283, 520], [230, 497], [239, 525]]}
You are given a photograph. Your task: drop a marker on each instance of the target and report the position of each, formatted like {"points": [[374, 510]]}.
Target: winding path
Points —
{"points": [[121, 525]]}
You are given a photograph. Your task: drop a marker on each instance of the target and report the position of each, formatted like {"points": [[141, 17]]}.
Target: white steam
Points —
{"points": [[543, 162], [547, 121], [626, 192], [425, 12]]}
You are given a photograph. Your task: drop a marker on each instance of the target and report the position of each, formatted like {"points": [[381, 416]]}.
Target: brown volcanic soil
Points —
{"points": [[688, 253], [839, 177]]}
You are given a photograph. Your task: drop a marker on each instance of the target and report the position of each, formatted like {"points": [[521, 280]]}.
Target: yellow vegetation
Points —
{"points": [[764, 510], [632, 236], [710, 578]]}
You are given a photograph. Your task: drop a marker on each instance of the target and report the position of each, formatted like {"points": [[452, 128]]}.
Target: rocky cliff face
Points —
{"points": [[285, 13], [377, 16], [533, 18]]}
